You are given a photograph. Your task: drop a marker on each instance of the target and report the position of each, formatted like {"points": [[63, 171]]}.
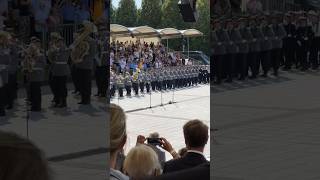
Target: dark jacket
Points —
{"points": [[190, 160]]}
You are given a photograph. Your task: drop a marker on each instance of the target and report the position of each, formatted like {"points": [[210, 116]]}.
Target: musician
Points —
{"points": [[83, 58], [112, 85], [147, 81], [58, 57], [135, 82], [128, 83], [13, 70], [266, 44], [4, 71], [34, 66], [120, 84], [141, 81]]}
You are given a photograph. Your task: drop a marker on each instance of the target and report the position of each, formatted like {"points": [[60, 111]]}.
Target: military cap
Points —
{"points": [[312, 13], [34, 39]]}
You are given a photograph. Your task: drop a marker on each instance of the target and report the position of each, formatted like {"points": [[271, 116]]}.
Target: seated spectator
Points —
{"points": [[141, 162], [21, 159], [196, 137], [118, 138]]}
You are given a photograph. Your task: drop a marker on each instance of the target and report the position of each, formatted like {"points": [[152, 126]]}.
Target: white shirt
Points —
{"points": [[197, 152]]}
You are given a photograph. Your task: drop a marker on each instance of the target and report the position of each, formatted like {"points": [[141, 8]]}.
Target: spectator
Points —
{"points": [[196, 137], [118, 138], [20, 159], [137, 170], [54, 18], [201, 172], [41, 11], [154, 145]]}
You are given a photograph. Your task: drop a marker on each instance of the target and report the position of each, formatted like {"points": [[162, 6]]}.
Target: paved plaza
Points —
{"points": [[267, 129], [74, 140], [168, 120]]}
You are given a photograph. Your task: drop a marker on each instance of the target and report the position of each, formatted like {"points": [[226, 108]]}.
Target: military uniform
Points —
{"points": [[315, 42], [266, 47], [120, 84], [60, 71], [36, 78], [304, 37], [280, 34], [128, 83], [242, 62], [289, 44], [4, 73], [255, 49], [220, 40], [101, 69], [84, 72], [232, 53]]}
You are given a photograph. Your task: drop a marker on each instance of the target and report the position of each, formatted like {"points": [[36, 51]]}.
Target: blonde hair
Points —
{"points": [[142, 161], [117, 127]]}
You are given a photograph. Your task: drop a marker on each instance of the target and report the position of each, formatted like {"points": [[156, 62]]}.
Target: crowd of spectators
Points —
{"points": [[32, 17], [144, 160], [128, 56]]}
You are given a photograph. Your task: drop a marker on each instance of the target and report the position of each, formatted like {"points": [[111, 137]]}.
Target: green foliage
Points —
{"points": [[127, 13], [165, 14], [151, 13]]}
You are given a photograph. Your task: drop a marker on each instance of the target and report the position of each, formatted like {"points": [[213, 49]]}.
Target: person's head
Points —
{"points": [[141, 162], [195, 134], [118, 135], [21, 159]]}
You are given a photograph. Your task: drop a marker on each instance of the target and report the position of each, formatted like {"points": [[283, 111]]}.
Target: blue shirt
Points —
{"points": [[68, 12]]}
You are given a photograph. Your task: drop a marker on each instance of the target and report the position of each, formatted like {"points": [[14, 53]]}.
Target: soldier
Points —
{"points": [[84, 68], [277, 43], [246, 36], [254, 52], [120, 84], [4, 70], [147, 81], [128, 83], [34, 66], [101, 61], [304, 35], [153, 80], [58, 57], [141, 81], [315, 42], [232, 50], [112, 83], [219, 37], [135, 82], [266, 45], [289, 42]]}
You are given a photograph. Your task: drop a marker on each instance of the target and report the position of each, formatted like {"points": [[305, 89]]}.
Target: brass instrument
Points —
{"points": [[30, 54], [80, 47]]}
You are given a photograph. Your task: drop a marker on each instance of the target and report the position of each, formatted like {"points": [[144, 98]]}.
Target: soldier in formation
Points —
{"points": [[249, 46]]}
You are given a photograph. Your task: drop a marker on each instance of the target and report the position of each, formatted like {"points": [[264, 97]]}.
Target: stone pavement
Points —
{"points": [[73, 139], [267, 129], [168, 120]]}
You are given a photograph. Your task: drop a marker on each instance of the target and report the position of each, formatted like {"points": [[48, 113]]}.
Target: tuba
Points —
{"points": [[30, 55], [80, 47]]}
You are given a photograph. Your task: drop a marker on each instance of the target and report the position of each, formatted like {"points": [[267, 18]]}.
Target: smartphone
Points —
{"points": [[154, 141]]}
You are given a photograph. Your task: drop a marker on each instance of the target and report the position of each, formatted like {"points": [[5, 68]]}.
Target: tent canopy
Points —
{"points": [[117, 31]]}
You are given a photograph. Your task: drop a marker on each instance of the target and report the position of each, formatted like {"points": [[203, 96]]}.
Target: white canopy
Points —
{"points": [[118, 31]]}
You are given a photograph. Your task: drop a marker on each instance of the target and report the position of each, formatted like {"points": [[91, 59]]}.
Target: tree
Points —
{"points": [[203, 25], [112, 14], [171, 16], [127, 13], [151, 13]]}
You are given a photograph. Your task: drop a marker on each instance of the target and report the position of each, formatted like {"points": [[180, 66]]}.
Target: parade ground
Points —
{"points": [[268, 129], [168, 120], [74, 139]]}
